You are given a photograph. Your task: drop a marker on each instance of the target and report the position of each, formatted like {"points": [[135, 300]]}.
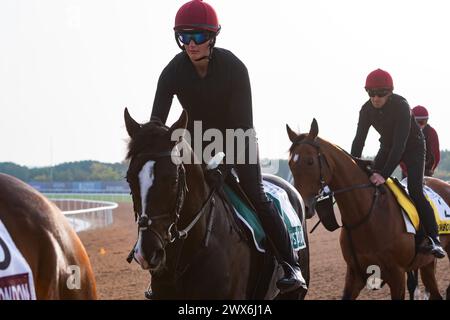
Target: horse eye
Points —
{"points": [[296, 158]]}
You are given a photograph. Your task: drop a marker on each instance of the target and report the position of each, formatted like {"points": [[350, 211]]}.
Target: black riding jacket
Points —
{"points": [[400, 135], [222, 99]]}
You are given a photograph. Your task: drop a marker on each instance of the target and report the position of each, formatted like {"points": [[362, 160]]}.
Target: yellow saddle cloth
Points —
{"points": [[440, 207]]}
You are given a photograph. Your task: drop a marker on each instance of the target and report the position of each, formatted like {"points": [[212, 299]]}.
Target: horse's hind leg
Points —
{"points": [[428, 274], [396, 280], [353, 285]]}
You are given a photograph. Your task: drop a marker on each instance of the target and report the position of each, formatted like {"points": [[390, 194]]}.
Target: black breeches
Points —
{"points": [[415, 165], [250, 179]]}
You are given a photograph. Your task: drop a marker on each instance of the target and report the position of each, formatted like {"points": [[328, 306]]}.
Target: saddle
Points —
{"points": [[440, 208], [246, 218], [244, 211], [399, 190]]}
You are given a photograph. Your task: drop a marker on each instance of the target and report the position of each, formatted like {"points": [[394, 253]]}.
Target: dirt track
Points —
{"points": [[116, 279]]}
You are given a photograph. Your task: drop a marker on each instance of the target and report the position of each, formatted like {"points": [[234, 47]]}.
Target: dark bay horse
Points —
{"points": [[188, 238], [48, 243], [373, 233]]}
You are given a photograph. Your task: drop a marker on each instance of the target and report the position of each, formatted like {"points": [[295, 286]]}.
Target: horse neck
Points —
{"points": [[197, 248], [197, 194], [197, 186], [354, 204]]}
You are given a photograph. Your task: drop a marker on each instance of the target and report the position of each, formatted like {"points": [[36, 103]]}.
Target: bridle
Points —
{"points": [[326, 194], [144, 221]]}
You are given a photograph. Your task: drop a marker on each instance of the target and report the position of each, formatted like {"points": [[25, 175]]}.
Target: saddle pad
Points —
{"points": [[285, 209], [440, 207], [405, 203], [16, 278], [441, 210]]}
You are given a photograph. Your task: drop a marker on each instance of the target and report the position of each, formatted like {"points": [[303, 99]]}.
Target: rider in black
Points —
{"points": [[213, 85], [400, 140]]}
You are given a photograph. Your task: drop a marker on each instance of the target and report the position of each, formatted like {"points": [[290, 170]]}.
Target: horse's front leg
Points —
{"points": [[353, 285], [396, 281]]}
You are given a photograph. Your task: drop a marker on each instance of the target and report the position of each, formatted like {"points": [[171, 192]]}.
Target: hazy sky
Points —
{"points": [[68, 68]]}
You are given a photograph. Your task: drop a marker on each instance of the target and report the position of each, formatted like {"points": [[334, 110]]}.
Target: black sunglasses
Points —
{"points": [[378, 92], [197, 37]]}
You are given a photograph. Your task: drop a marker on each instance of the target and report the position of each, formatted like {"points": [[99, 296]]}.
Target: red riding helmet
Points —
{"points": [[420, 113], [197, 15], [379, 79]]}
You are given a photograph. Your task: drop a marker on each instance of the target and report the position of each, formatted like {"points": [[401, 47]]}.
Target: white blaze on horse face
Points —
{"points": [[139, 253], [146, 176]]}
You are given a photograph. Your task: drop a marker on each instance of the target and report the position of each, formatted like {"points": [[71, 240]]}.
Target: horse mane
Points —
{"points": [[149, 131]]}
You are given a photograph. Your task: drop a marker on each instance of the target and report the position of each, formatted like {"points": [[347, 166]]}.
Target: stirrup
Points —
{"points": [[436, 249]]}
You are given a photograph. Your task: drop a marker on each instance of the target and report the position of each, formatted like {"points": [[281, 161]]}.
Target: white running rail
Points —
{"points": [[85, 214]]}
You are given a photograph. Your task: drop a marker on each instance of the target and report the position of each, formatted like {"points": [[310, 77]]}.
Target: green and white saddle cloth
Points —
{"points": [[285, 209]]}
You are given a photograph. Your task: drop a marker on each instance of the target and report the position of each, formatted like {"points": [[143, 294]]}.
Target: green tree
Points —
{"points": [[15, 170]]}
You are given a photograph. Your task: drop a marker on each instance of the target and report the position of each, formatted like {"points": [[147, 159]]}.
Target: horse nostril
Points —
{"points": [[156, 258]]}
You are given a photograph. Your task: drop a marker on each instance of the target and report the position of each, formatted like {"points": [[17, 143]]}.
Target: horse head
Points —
{"points": [[322, 170], [157, 181], [311, 166]]}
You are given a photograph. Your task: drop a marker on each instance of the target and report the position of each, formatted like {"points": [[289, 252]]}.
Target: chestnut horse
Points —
{"points": [[48, 243], [188, 238], [373, 233]]}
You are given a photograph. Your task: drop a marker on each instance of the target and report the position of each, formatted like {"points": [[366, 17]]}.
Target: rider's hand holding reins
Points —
{"points": [[377, 179]]}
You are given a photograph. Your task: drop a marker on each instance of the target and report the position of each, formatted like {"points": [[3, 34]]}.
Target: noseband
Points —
{"points": [[323, 201], [144, 221], [329, 219]]}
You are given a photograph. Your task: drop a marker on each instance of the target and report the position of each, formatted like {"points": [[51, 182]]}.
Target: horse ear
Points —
{"points": [[132, 126], [314, 130], [181, 123], [291, 133]]}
